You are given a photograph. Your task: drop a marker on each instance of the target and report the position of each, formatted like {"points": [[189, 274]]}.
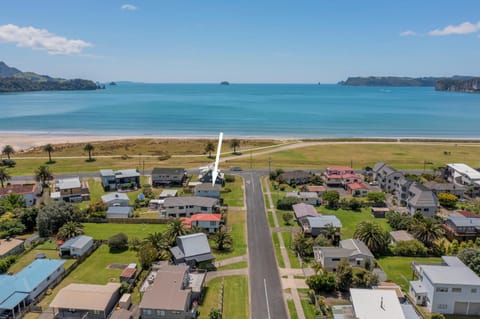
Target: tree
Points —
{"points": [[89, 148], [223, 240], [344, 275], [323, 282], [471, 258], [437, 316], [49, 149], [409, 248], [215, 314], [28, 217], [234, 144], [43, 174], [54, 215], [174, 229], [147, 254], [13, 201], [447, 200], [118, 242], [156, 239], [373, 236], [399, 221], [4, 176], [317, 267], [10, 227], [209, 148], [8, 150], [363, 278], [331, 198], [69, 230], [286, 203], [303, 245], [287, 217], [427, 231], [376, 197]]}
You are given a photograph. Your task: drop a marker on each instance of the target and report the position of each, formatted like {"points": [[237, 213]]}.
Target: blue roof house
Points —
{"points": [[17, 291]]}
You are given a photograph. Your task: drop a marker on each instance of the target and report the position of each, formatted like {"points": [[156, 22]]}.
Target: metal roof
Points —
{"points": [[302, 210], [357, 245], [190, 200], [126, 173], [114, 196], [119, 210], [77, 242], [168, 193], [167, 171], [462, 221], [194, 244], [302, 194], [466, 170], [376, 304], [453, 273], [85, 296], [68, 183], [324, 221], [106, 172]]}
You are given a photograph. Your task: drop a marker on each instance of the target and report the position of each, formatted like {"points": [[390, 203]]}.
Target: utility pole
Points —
{"points": [[269, 165], [251, 160]]}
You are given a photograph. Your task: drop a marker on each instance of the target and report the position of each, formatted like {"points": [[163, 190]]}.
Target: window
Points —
{"points": [[473, 291], [204, 208], [335, 259], [213, 223], [147, 312], [48, 278], [442, 306], [425, 209], [456, 289], [160, 312], [442, 289]]}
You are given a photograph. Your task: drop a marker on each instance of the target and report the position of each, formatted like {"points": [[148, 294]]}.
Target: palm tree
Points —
{"points": [[234, 144], [209, 148], [70, 230], [8, 150], [174, 229], [156, 239], [372, 235], [89, 148], [4, 176], [222, 238], [43, 174], [427, 231], [49, 149], [317, 267]]}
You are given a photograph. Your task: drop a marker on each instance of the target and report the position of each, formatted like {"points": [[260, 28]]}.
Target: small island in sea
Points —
{"points": [[224, 83], [14, 80]]}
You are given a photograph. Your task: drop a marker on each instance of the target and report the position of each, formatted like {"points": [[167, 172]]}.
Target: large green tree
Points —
{"points": [[13, 201], [147, 254], [373, 236], [235, 143], [331, 198], [8, 150], [222, 239], [4, 176], [43, 175], [174, 229], [54, 215], [427, 231], [69, 230], [209, 148], [49, 149]]}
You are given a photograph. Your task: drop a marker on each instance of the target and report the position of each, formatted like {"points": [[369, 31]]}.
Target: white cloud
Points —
{"points": [[408, 33], [41, 39], [463, 28], [129, 7]]}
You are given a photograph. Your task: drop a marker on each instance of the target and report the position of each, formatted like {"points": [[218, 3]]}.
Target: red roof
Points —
{"points": [[345, 176], [315, 188], [353, 186], [128, 272], [202, 217], [333, 176], [468, 214], [20, 189]]}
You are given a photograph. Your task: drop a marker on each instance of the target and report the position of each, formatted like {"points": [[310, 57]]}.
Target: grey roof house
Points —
{"points": [[386, 176], [296, 177], [192, 249], [188, 205], [76, 246], [421, 199], [162, 176], [452, 188], [462, 228], [352, 250], [120, 212], [305, 197], [302, 210], [315, 226], [121, 179], [207, 190], [116, 199]]}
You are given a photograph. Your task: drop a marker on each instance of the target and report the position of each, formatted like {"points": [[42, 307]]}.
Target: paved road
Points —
{"points": [[266, 297]]}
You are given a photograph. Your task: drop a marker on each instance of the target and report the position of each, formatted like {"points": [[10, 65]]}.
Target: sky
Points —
{"points": [[251, 41]]}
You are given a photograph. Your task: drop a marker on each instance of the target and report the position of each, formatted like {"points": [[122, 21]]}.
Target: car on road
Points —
{"points": [[236, 169]]}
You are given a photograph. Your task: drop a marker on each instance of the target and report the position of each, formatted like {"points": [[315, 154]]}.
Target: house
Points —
{"points": [[76, 247], [86, 301], [379, 212], [353, 250], [305, 197], [421, 199], [315, 226], [128, 273], [400, 235], [463, 175], [349, 179], [28, 192], [333, 175], [168, 193], [206, 177], [357, 189], [320, 190], [167, 177], [70, 190], [10, 247], [116, 199], [207, 222], [448, 288], [452, 188], [174, 292], [121, 179], [303, 210], [376, 304], [186, 206], [207, 190], [462, 228], [192, 249], [19, 290], [386, 176], [120, 212], [297, 177]]}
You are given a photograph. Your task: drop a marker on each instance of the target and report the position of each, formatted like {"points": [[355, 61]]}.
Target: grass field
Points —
{"points": [[105, 231], [235, 220], [291, 309], [278, 253], [239, 265], [235, 197], [235, 299], [287, 240], [95, 270], [398, 268]]}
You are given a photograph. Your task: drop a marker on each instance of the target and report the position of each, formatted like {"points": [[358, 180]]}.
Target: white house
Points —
{"points": [[76, 246], [116, 199], [353, 250], [188, 205], [448, 288], [376, 304]]}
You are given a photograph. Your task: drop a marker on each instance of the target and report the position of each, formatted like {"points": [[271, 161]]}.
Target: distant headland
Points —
{"points": [[14, 80], [455, 83]]}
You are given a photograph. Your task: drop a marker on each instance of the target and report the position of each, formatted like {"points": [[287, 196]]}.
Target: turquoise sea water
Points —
{"points": [[270, 110]]}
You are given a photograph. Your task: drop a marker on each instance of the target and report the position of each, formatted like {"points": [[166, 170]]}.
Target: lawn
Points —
{"points": [[351, 219], [236, 221], [287, 240], [239, 265], [106, 230], [271, 222], [235, 298], [398, 268], [308, 308], [48, 248], [291, 309], [96, 192], [278, 253], [95, 270], [235, 197]]}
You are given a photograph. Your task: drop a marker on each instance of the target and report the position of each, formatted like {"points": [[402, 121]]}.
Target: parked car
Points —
{"points": [[236, 169]]}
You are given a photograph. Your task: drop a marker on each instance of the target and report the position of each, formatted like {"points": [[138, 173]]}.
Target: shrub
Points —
{"points": [[287, 203], [409, 248], [118, 242], [287, 217], [229, 178], [447, 200], [325, 282], [6, 262]]}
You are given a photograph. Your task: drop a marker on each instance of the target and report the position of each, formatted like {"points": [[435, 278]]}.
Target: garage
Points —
{"points": [[474, 308], [460, 308]]}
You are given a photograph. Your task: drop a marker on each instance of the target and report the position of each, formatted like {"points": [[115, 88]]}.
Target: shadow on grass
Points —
{"points": [[90, 160], [236, 153], [50, 162]]}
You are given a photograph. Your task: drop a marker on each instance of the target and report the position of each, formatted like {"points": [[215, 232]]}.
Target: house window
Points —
{"points": [[442, 306], [204, 208], [48, 278], [213, 223], [147, 312], [456, 289], [473, 291], [425, 209], [441, 289], [335, 259], [160, 313]]}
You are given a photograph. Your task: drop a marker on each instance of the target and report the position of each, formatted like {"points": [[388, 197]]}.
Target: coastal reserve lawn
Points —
{"points": [[103, 231]]}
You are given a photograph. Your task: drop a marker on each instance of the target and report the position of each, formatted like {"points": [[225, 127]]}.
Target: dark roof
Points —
{"points": [[357, 245], [119, 210], [443, 186], [422, 196], [167, 171], [303, 210], [207, 187]]}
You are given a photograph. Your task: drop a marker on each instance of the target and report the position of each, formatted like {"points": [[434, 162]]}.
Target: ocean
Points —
{"points": [[245, 110]]}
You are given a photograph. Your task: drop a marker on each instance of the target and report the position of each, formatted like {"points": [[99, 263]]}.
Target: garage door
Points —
{"points": [[460, 308], [474, 309]]}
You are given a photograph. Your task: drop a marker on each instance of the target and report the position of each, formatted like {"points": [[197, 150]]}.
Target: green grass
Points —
{"points": [[235, 220], [96, 192], [95, 270], [235, 299], [239, 265], [278, 253], [106, 230], [351, 219], [287, 240], [291, 309], [308, 308], [398, 268], [271, 222], [235, 197], [281, 221]]}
